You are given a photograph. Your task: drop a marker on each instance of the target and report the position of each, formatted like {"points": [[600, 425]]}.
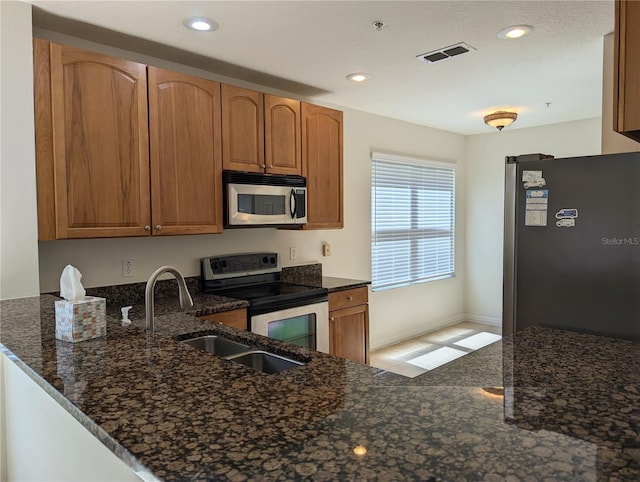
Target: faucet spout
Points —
{"points": [[185, 297]]}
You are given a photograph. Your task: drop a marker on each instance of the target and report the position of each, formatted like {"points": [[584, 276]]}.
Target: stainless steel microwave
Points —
{"points": [[272, 200]]}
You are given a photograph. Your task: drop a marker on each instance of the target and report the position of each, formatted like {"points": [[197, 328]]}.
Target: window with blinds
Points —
{"points": [[413, 216]]}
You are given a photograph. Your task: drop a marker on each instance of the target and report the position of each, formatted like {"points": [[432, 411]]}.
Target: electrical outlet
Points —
{"points": [[293, 252], [127, 268], [326, 249]]}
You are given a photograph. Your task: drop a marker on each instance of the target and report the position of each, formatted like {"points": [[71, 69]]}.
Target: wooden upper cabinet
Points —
{"points": [[100, 144], [626, 96], [283, 151], [322, 166], [186, 153], [242, 129]]}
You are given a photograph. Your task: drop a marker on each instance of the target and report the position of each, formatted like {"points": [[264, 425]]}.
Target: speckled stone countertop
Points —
{"points": [[340, 284], [166, 299], [311, 275], [570, 410]]}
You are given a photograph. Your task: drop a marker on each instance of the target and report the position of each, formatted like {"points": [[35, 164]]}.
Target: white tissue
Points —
{"points": [[71, 288]]}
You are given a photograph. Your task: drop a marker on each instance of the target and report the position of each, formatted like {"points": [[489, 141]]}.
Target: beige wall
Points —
{"points": [[485, 158], [18, 222]]}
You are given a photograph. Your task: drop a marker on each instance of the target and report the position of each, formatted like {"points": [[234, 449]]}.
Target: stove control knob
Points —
{"points": [[223, 264], [272, 260], [265, 260]]}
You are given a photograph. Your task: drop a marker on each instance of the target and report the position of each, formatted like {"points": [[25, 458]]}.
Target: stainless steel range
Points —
{"points": [[289, 312]]}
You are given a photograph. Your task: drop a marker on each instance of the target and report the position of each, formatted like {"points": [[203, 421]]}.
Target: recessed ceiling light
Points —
{"points": [[514, 32], [359, 76], [201, 24]]}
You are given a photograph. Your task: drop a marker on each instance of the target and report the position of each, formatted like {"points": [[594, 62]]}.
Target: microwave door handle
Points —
{"points": [[292, 203]]}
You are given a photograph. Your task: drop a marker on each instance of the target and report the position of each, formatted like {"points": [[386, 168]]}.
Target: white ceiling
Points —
{"points": [[317, 43]]}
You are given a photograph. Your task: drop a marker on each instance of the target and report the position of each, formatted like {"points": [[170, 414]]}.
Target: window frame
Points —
{"points": [[419, 276]]}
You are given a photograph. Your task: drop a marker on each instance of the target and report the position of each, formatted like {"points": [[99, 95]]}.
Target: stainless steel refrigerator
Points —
{"points": [[572, 244]]}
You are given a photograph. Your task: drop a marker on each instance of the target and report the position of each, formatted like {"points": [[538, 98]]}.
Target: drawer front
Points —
{"points": [[347, 298], [233, 318]]}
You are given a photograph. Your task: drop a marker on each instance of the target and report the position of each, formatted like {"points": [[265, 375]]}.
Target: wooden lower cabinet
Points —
{"points": [[233, 318], [349, 324]]}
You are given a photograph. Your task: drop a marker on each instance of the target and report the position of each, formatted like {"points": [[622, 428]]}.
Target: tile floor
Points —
{"points": [[425, 352]]}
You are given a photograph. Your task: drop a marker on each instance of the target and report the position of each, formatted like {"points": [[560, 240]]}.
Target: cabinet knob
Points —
{"points": [[270, 166], [263, 166], [332, 318], [147, 227], [158, 227], [349, 298]]}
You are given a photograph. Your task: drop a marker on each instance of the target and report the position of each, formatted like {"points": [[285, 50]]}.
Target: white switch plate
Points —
{"points": [[326, 249], [293, 252], [127, 268]]}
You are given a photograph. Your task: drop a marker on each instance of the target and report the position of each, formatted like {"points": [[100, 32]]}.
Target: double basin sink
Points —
{"points": [[246, 355]]}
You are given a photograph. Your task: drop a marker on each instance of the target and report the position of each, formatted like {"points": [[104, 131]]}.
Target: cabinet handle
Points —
{"points": [[147, 227], [263, 166], [270, 166], [332, 318], [349, 298], [158, 227]]}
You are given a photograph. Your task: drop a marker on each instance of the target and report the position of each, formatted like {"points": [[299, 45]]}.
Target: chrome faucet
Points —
{"points": [[185, 297]]}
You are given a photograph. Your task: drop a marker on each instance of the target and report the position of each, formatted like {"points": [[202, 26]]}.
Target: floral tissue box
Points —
{"points": [[81, 320]]}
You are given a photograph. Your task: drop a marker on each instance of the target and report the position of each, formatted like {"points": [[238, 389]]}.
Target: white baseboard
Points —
{"points": [[405, 335], [436, 325], [485, 320]]}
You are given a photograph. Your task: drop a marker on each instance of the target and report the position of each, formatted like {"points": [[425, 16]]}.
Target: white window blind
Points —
{"points": [[413, 216]]}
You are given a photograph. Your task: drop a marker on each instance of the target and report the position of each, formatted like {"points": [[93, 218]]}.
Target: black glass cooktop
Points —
{"points": [[259, 293], [255, 277]]}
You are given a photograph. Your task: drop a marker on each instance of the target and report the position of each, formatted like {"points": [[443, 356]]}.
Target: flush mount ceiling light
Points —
{"points": [[359, 76], [201, 24], [514, 32], [500, 119]]}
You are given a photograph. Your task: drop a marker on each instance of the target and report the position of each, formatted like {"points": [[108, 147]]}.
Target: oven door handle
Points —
{"points": [[292, 203]]}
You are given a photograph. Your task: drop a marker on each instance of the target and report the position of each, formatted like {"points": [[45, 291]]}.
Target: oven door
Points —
{"points": [[251, 205], [306, 326]]}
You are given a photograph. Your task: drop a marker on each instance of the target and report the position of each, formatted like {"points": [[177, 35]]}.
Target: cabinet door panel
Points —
{"points": [[626, 110], [322, 166], [45, 177], [242, 129], [186, 154], [101, 158], [283, 151], [349, 332], [234, 318]]}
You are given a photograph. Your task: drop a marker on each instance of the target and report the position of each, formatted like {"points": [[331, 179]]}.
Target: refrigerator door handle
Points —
{"points": [[509, 250]]}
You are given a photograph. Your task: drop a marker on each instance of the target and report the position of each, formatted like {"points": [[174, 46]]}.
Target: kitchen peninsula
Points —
{"points": [[547, 405]]}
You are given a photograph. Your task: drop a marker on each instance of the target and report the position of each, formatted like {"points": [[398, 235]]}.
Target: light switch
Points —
{"points": [[326, 249]]}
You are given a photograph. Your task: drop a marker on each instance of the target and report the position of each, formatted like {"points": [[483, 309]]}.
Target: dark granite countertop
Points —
{"points": [[340, 284], [570, 409], [166, 299]]}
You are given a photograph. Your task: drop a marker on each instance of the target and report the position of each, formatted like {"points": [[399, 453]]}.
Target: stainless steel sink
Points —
{"points": [[265, 361], [217, 345]]}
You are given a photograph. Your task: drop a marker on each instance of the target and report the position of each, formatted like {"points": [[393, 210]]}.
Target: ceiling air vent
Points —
{"points": [[446, 53]]}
